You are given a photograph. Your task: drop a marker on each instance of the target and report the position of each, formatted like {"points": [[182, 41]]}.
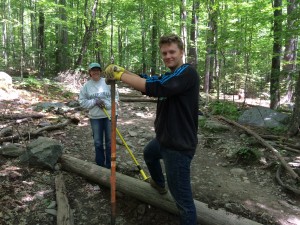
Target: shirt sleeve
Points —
{"points": [[170, 83], [84, 101]]}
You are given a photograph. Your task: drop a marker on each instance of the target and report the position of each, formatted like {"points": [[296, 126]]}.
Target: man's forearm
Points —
{"points": [[134, 81]]}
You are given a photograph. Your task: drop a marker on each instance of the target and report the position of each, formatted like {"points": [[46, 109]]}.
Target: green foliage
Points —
{"points": [[278, 130], [247, 154], [31, 83], [202, 121], [226, 109]]}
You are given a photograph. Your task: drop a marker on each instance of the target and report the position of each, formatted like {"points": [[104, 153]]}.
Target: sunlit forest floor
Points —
{"points": [[245, 188]]}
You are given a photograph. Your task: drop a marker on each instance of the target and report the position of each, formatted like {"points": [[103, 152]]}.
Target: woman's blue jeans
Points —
{"points": [[177, 168], [101, 129]]}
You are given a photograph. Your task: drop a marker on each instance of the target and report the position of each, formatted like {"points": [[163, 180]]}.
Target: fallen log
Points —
{"points": [[141, 190], [22, 116], [138, 100], [266, 144], [64, 212], [39, 131]]}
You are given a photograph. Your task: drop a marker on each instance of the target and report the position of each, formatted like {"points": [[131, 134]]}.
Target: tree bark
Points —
{"points": [[295, 121], [209, 58], [62, 52], [290, 53], [64, 212], [192, 52], [183, 27], [275, 69], [154, 36], [87, 35], [41, 43], [142, 190]]}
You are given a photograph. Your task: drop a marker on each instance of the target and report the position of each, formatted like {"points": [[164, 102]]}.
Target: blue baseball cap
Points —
{"points": [[94, 65]]}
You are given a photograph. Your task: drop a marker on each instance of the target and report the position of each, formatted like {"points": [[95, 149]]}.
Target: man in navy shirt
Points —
{"points": [[176, 123]]}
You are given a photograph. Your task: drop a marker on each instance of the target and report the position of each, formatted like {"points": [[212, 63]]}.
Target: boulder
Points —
{"points": [[5, 81], [263, 117], [43, 152]]}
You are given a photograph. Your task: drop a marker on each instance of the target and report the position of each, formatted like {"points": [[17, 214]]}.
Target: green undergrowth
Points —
{"points": [[227, 109]]}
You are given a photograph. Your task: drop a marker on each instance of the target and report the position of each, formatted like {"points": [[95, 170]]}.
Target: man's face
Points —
{"points": [[171, 55], [95, 73]]}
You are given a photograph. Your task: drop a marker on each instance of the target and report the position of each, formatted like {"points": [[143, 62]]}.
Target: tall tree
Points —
{"points": [[62, 49], [22, 38], [193, 48], [275, 70], [4, 33], [183, 27], [294, 127], [143, 34], [290, 53], [41, 43], [89, 28], [210, 45], [154, 39]]}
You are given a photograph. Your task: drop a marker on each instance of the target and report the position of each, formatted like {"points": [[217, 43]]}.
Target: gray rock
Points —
{"points": [[5, 132], [43, 152], [238, 172], [11, 150], [5, 81], [263, 117], [52, 212], [47, 106], [132, 133]]}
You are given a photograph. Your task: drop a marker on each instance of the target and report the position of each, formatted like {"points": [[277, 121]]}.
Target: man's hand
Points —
{"points": [[114, 72], [100, 103]]}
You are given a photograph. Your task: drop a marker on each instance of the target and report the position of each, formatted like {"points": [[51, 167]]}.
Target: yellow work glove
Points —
{"points": [[114, 72]]}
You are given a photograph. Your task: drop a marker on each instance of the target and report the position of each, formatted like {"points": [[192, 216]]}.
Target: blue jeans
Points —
{"points": [[101, 129], [177, 167]]}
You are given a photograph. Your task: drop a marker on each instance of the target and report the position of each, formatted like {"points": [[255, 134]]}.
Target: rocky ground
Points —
{"points": [[223, 176]]}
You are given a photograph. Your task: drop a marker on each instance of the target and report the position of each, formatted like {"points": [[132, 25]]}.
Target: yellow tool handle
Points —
{"points": [[127, 147]]}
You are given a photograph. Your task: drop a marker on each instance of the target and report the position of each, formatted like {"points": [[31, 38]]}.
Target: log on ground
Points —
{"points": [[64, 212], [142, 191]]}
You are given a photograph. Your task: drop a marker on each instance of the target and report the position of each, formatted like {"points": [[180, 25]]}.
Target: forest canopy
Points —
{"points": [[250, 45]]}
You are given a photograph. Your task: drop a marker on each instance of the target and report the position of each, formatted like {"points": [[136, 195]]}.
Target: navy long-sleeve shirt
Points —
{"points": [[176, 122]]}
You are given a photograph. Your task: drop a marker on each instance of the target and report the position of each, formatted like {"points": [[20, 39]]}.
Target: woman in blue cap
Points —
{"points": [[95, 95]]}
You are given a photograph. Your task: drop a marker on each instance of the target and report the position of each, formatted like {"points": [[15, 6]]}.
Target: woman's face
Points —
{"points": [[95, 73]]}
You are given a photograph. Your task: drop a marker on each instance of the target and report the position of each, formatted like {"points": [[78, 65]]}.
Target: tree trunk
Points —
{"points": [[142, 190], [4, 34], [183, 27], [41, 43], [62, 55], [154, 42], [192, 52], [209, 60], [22, 39], [275, 70], [112, 57], [143, 33], [87, 35], [295, 121], [290, 53], [120, 45]]}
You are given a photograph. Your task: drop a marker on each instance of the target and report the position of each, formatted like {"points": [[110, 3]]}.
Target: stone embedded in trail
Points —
{"points": [[43, 152]]}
